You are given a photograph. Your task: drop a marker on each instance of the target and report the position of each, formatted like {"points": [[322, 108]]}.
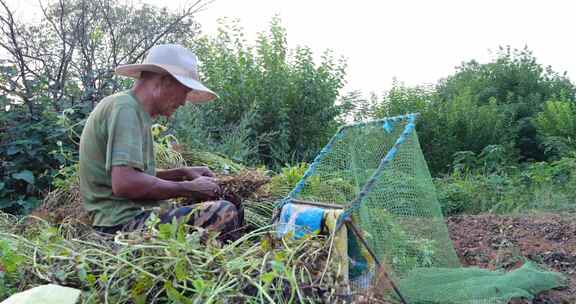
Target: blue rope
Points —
{"points": [[387, 124], [408, 129]]}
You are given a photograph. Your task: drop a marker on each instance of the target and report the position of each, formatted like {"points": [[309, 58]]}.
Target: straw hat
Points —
{"points": [[177, 61]]}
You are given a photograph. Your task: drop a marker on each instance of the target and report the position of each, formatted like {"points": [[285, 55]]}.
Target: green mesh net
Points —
{"points": [[377, 174]]}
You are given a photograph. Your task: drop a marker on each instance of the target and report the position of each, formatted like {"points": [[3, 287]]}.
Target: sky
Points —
{"points": [[416, 42]]}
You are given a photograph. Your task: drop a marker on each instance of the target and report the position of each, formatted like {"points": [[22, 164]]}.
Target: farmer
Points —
{"points": [[118, 178]]}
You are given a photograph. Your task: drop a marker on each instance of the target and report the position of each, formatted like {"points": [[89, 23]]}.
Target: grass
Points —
{"points": [[503, 194], [171, 264]]}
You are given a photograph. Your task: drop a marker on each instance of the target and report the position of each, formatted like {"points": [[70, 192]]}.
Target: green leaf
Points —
{"points": [[268, 277], [199, 285], [236, 264], [141, 288], [164, 231], [28, 203], [91, 279], [174, 295], [279, 256], [60, 275], [266, 244], [278, 266], [103, 278], [9, 260], [181, 270], [2, 185], [25, 175], [82, 273], [139, 299]]}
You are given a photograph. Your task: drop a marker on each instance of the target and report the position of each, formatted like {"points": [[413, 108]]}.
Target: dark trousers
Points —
{"points": [[221, 216]]}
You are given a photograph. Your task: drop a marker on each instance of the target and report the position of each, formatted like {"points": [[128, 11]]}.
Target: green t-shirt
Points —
{"points": [[117, 133]]}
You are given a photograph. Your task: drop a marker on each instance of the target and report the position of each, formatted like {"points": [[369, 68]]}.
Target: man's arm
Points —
{"points": [[187, 173], [132, 184], [171, 174]]}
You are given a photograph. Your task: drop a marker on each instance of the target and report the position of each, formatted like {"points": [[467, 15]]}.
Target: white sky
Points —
{"points": [[416, 41]]}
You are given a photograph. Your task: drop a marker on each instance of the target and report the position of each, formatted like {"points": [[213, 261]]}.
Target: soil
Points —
{"points": [[501, 242]]}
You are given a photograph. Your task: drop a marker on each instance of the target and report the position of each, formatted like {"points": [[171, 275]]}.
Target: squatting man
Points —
{"points": [[119, 181]]}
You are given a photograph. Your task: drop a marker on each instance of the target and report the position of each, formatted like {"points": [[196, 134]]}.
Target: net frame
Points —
{"points": [[442, 281], [356, 203]]}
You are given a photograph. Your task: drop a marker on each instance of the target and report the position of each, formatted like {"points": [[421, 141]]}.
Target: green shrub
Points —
{"points": [[287, 100], [282, 183], [557, 127], [194, 128], [32, 153], [545, 186], [10, 269]]}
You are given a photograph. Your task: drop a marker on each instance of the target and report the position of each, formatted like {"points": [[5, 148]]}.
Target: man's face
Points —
{"points": [[172, 96]]}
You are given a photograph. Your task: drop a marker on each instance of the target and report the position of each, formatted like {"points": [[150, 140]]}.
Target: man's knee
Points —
{"points": [[176, 213], [222, 216], [218, 215]]}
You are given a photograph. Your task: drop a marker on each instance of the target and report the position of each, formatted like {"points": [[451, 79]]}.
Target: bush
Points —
{"points": [[281, 102], [10, 269], [280, 185], [538, 186], [495, 103], [193, 127], [32, 153], [556, 127]]}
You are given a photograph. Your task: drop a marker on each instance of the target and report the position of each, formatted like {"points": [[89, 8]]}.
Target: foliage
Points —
{"points": [[537, 186], [492, 159], [174, 264], [282, 183], [288, 100], [192, 125], [10, 271], [482, 105], [446, 128], [32, 153], [400, 100], [67, 58], [556, 126], [165, 153], [277, 105], [217, 163], [518, 85], [356, 108]]}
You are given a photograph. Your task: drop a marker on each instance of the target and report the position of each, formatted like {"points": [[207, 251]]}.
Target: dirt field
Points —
{"points": [[496, 242]]}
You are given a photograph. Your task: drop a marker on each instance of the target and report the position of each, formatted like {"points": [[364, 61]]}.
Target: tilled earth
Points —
{"points": [[500, 242]]}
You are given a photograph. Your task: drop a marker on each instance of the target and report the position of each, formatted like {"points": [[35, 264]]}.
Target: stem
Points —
{"points": [[262, 268], [129, 264], [259, 288]]}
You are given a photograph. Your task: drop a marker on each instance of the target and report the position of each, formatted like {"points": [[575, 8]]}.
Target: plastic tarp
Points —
{"points": [[45, 294]]}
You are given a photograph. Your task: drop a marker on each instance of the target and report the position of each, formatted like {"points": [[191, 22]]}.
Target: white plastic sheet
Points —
{"points": [[45, 294]]}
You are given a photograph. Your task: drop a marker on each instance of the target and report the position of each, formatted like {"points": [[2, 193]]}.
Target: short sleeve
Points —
{"points": [[125, 145]]}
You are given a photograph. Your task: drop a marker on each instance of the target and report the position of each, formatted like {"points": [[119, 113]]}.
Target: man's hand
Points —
{"points": [[135, 185], [202, 188], [192, 173]]}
